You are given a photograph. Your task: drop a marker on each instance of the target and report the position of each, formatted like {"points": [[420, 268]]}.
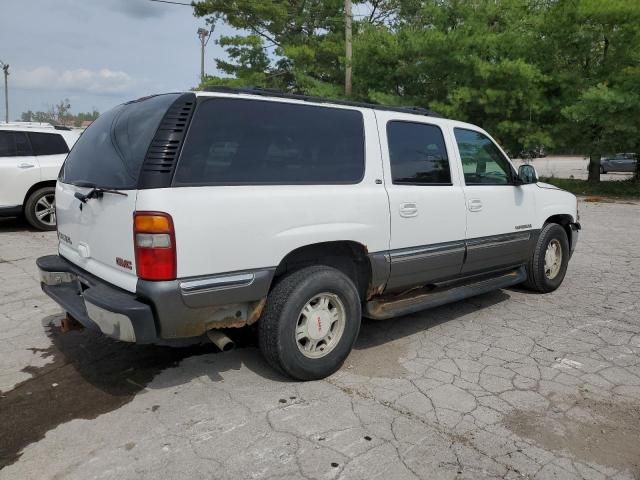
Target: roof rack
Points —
{"points": [[267, 92]]}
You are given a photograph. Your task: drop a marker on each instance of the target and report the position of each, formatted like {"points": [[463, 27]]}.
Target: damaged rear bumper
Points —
{"points": [[158, 312]]}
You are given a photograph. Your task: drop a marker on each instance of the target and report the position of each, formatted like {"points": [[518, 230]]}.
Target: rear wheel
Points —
{"points": [[602, 169], [548, 264], [40, 209], [310, 322]]}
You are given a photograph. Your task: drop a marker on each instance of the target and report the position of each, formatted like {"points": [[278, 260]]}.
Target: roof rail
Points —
{"points": [[268, 92], [61, 127]]}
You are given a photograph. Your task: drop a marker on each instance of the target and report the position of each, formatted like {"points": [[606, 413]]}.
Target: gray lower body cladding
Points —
{"points": [[430, 264], [158, 310]]}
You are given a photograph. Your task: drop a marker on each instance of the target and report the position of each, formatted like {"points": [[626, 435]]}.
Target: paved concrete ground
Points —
{"points": [[568, 167], [505, 385]]}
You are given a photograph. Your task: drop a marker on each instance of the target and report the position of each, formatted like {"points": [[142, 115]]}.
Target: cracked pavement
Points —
{"points": [[505, 385]]}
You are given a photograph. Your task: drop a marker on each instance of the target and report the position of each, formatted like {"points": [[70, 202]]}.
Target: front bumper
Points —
{"points": [[575, 233], [96, 304], [158, 312]]}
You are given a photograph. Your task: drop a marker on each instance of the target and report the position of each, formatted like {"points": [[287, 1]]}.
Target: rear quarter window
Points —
{"points": [[236, 142], [48, 143]]}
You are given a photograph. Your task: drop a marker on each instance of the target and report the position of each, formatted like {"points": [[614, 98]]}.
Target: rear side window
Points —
{"points": [[14, 144], [48, 143], [418, 154], [235, 142], [111, 150]]}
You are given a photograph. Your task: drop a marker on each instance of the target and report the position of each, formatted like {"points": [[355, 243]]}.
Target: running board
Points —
{"points": [[384, 308]]}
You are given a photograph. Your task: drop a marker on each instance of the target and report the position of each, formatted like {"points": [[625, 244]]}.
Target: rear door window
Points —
{"points": [[236, 142], [14, 144], [418, 154], [48, 143], [111, 150]]}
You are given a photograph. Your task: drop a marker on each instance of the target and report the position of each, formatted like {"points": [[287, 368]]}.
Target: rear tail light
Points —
{"points": [[155, 245]]}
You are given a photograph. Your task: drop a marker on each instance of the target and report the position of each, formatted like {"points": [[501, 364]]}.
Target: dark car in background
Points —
{"points": [[620, 162]]}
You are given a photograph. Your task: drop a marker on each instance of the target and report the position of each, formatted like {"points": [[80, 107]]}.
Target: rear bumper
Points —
{"points": [[96, 304], [159, 311]]}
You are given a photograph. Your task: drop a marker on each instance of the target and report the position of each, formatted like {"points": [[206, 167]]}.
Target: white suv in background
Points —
{"points": [[30, 159], [181, 215]]}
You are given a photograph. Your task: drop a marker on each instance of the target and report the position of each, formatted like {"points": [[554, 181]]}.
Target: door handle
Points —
{"points": [[409, 209], [26, 165], [475, 205]]}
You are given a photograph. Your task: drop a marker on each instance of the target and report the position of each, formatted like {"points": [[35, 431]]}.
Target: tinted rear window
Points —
{"points": [[14, 144], [234, 141], [418, 154], [111, 150], [48, 143]]}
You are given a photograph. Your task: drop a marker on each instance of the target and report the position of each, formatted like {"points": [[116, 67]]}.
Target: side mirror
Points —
{"points": [[527, 174]]}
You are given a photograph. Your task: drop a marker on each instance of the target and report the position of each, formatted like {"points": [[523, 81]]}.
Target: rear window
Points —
{"points": [[236, 142], [111, 150], [48, 143]]}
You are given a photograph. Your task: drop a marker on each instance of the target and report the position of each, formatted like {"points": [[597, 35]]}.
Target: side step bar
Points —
{"points": [[384, 308]]}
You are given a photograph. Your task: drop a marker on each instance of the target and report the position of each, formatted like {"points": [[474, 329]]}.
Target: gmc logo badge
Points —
{"points": [[121, 262]]}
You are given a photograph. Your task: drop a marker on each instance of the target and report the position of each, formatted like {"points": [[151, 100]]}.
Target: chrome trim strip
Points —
{"points": [[226, 281], [496, 240], [428, 250]]}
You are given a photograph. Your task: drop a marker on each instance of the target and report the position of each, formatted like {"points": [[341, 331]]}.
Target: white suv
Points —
{"points": [[30, 158], [183, 214]]}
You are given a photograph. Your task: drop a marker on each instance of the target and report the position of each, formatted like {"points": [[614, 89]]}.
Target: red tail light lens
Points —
{"points": [[155, 246]]}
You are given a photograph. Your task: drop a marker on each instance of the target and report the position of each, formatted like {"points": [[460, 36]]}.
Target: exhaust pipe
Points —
{"points": [[220, 340]]}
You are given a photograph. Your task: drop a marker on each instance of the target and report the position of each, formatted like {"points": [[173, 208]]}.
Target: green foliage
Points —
{"points": [[616, 189], [561, 73]]}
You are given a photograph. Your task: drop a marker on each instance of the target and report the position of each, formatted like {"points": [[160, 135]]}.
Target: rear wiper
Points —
{"points": [[96, 192]]}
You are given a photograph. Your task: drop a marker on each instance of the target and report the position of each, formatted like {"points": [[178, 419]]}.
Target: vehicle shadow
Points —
{"points": [[15, 224]]}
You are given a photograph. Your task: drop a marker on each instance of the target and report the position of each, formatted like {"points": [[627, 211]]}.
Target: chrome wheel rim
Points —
{"points": [[553, 259], [320, 325], [45, 209]]}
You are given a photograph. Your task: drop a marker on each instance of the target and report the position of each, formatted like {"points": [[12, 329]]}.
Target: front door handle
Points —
{"points": [[26, 165], [409, 209], [475, 205]]}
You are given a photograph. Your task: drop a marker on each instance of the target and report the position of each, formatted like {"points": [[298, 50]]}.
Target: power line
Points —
{"points": [[172, 3]]}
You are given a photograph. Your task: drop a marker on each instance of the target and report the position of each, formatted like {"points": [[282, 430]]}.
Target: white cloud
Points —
{"points": [[100, 82]]}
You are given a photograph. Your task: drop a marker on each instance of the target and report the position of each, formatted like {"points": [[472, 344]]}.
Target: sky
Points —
{"points": [[98, 53]]}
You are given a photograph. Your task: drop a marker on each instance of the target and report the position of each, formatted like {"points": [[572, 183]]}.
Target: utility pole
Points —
{"points": [[348, 48], [204, 35], [5, 69]]}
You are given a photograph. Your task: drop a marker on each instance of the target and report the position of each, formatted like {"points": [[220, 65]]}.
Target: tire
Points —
{"points": [[40, 201], [283, 317], [602, 169], [538, 279]]}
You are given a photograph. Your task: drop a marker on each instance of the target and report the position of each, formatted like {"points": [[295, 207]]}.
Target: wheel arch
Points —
{"points": [[37, 186], [564, 220], [350, 257]]}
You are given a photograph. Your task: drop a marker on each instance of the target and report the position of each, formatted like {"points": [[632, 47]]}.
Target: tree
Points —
{"points": [[561, 73], [59, 114], [591, 51]]}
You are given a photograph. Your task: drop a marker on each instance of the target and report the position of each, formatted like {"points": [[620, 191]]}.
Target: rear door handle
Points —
{"points": [[26, 165], [409, 209], [475, 205]]}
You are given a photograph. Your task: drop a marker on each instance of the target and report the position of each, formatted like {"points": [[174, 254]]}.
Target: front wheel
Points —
{"points": [[310, 322], [40, 209], [548, 264]]}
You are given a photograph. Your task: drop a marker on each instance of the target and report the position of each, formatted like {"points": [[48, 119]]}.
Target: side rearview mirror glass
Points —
{"points": [[527, 174]]}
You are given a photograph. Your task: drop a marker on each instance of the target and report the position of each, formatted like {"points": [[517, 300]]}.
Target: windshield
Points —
{"points": [[111, 150]]}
